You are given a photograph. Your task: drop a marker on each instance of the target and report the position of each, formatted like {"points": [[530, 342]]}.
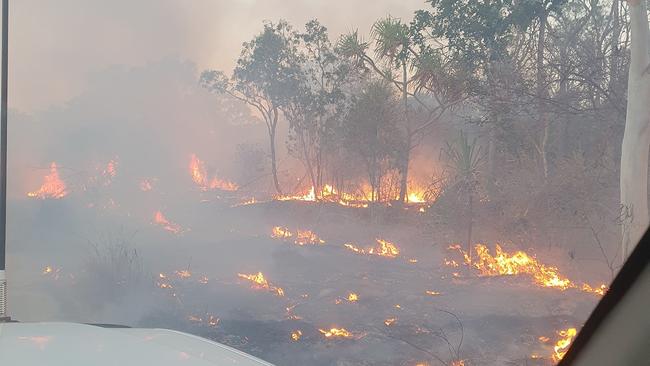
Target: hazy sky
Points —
{"points": [[56, 46]]}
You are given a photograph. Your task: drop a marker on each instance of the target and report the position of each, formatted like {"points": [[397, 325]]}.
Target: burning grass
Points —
{"points": [[503, 263], [53, 187], [301, 237], [336, 333], [160, 220], [562, 345], [384, 248], [259, 282], [200, 177]]}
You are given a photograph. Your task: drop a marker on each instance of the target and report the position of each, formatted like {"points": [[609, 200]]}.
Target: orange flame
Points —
{"points": [[200, 177], [353, 297], [385, 249], [296, 335], [160, 219], [183, 273], [52, 187], [302, 237], [260, 282], [390, 321], [336, 333], [562, 345], [519, 262]]}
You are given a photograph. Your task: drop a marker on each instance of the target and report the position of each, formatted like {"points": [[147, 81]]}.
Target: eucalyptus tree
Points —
{"points": [[478, 35], [266, 76], [317, 101], [407, 61], [371, 132], [636, 139]]}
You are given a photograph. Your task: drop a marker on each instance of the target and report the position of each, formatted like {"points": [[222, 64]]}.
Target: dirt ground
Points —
{"points": [[504, 320]]}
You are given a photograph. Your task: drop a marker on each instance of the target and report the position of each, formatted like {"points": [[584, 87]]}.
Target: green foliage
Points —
{"points": [[464, 159], [479, 32]]}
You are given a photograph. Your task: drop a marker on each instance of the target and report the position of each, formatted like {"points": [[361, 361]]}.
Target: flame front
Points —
{"points": [[160, 219], [519, 262], [260, 282], [562, 345], [52, 187], [336, 333], [385, 249], [200, 177], [302, 237]]}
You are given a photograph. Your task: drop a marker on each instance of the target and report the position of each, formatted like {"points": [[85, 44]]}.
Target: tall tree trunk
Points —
{"points": [[406, 155], [636, 139], [470, 224], [614, 45], [310, 169], [274, 166], [563, 95], [541, 93]]}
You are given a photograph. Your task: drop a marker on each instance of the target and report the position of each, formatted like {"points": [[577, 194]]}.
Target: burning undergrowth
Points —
{"points": [[318, 275]]}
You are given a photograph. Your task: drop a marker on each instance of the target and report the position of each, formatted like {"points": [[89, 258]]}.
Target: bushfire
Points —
{"points": [[200, 177], [562, 345], [259, 282], [52, 187], [503, 263], [301, 237], [336, 333], [161, 220], [384, 248]]}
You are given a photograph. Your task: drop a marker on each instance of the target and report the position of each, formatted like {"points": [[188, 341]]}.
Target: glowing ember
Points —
{"points": [[353, 297], [146, 185], [451, 263], [110, 171], [307, 237], [336, 333], [507, 264], [562, 345], [354, 248], [413, 260], [260, 282], [458, 363], [200, 177], [246, 202], [296, 335], [302, 237], [390, 321], [279, 232], [432, 293], [161, 220], [213, 321], [52, 187], [194, 319], [183, 274], [52, 272]]}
